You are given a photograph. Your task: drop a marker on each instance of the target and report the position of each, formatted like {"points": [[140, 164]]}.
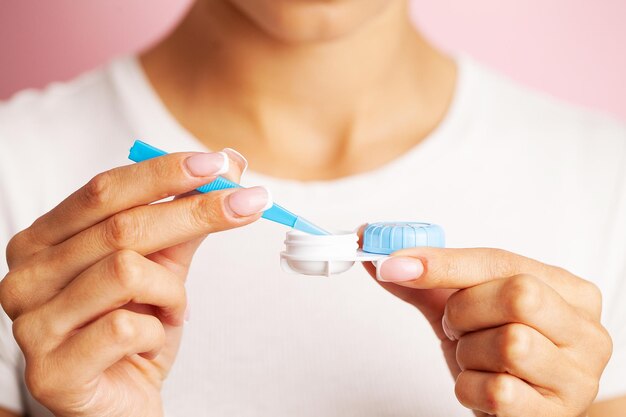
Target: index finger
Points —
{"points": [[125, 187], [464, 268]]}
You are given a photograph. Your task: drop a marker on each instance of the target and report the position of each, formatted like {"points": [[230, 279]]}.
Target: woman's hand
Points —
{"points": [[521, 338], [96, 286]]}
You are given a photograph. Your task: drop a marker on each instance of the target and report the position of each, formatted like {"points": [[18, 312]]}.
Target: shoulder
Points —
{"points": [[540, 129], [31, 116], [511, 107], [76, 118], [54, 139]]}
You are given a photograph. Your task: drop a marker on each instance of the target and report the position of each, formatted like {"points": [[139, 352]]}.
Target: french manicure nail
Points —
{"points": [[249, 201], [207, 164], [446, 329], [238, 157], [399, 269]]}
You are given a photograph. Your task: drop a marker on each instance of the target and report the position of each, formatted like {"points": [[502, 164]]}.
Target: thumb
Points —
{"points": [[430, 302], [177, 258]]}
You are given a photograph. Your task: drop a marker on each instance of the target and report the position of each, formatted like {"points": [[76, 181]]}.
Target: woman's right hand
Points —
{"points": [[95, 287]]}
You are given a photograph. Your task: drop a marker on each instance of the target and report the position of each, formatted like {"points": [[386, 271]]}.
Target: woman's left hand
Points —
{"points": [[522, 338]]}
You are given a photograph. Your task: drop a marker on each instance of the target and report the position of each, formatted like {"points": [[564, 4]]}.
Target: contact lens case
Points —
{"points": [[326, 255]]}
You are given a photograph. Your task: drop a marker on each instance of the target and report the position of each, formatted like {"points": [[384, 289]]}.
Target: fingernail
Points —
{"points": [[249, 201], [207, 164], [446, 329], [238, 157], [399, 269], [187, 313]]}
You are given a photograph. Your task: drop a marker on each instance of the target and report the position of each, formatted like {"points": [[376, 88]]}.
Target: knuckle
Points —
{"points": [[608, 345], [180, 295], [39, 382], [153, 331], [159, 331], [16, 246], [171, 167], [121, 327], [499, 393], [524, 296], [121, 230], [589, 386], [126, 268], [461, 350], [514, 345], [36, 331], [593, 291], [16, 241], [12, 294], [183, 304], [50, 330], [604, 343], [97, 192], [207, 209], [21, 330], [593, 386], [453, 310], [6, 294], [593, 297], [461, 389]]}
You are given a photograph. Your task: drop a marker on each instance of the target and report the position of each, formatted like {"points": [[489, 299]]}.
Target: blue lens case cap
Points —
{"points": [[387, 237]]}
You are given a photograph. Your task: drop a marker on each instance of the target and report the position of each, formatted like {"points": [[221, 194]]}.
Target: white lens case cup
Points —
{"points": [[325, 255]]}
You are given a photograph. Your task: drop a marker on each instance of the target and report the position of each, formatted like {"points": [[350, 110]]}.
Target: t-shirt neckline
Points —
{"points": [[150, 120]]}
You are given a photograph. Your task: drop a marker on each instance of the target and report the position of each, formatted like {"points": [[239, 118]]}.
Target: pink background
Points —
{"points": [[573, 49]]}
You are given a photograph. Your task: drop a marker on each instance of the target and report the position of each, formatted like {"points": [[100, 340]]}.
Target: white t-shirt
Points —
{"points": [[507, 168]]}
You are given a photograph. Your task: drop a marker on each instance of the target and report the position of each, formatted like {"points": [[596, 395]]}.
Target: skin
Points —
{"points": [[115, 272], [519, 337], [346, 79], [349, 92]]}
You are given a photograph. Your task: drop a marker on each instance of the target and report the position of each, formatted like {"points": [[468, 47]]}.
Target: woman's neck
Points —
{"points": [[303, 111]]}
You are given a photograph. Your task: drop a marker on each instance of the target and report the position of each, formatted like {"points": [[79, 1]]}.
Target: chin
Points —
{"points": [[305, 21]]}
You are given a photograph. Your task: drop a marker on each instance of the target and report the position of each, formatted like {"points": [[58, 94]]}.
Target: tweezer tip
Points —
{"points": [[306, 226]]}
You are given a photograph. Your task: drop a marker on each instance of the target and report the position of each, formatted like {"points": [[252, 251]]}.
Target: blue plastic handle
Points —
{"points": [[141, 151]]}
